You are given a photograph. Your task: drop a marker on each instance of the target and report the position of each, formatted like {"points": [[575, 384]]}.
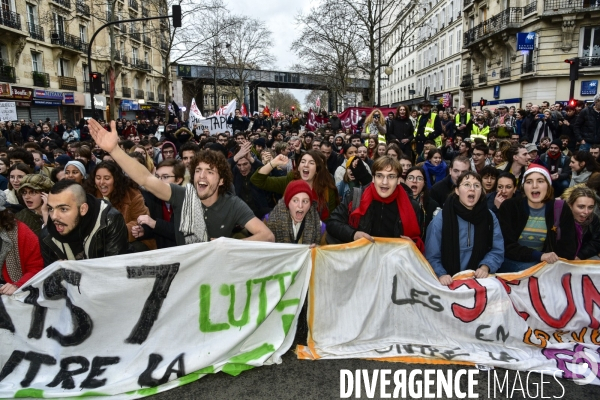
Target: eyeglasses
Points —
{"points": [[381, 177], [469, 186], [412, 178], [164, 177], [168, 152]]}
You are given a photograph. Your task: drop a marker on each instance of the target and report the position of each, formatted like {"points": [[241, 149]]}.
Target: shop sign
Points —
{"points": [[21, 93]]}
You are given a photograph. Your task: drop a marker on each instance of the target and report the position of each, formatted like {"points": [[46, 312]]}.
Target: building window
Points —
{"points": [[590, 45], [456, 74], [134, 55], [458, 39], [59, 23], [441, 79], [443, 48], [63, 67], [450, 40], [32, 14], [449, 77], [86, 73], [146, 58], [83, 33], [36, 61]]}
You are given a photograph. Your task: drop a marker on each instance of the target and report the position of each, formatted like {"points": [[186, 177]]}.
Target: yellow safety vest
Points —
{"points": [[380, 137], [429, 129], [480, 133], [457, 119]]}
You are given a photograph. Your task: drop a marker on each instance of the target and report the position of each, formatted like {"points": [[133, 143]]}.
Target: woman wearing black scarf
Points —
{"points": [[466, 234]]}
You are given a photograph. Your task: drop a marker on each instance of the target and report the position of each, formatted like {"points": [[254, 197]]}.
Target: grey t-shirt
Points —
{"points": [[220, 218]]}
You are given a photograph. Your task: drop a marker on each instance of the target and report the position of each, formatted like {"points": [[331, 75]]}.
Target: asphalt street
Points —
{"points": [[300, 379]]}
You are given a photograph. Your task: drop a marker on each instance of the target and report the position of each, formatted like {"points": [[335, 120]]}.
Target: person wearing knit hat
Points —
{"points": [[295, 218], [62, 160], [34, 191], [558, 165], [536, 227], [75, 171], [20, 254]]}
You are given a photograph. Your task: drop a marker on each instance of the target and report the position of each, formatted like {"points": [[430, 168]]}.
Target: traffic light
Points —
{"points": [[572, 103], [176, 16], [573, 68], [482, 102], [293, 108], [96, 82]]}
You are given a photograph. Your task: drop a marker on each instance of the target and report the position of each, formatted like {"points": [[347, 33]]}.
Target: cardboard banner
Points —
{"points": [[383, 301], [216, 123], [143, 323], [8, 111]]}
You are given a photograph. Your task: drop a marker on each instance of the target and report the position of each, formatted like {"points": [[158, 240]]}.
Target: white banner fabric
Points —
{"points": [[216, 123], [383, 301], [8, 111], [139, 324]]}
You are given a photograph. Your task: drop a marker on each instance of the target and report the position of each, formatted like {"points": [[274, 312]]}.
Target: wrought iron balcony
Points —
{"points": [[10, 19], [133, 4], [505, 73], [125, 61], [82, 8], [135, 35], [589, 62], [527, 68], [530, 8], [482, 78], [467, 81], [570, 5], [509, 18], [117, 55], [65, 82], [126, 91], [139, 94], [141, 65], [150, 96], [64, 3], [7, 74], [35, 31], [161, 97], [164, 46], [467, 3], [146, 39], [69, 41], [41, 79]]}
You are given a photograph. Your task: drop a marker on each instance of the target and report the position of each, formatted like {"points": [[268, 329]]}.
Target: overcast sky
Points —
{"points": [[279, 16]]}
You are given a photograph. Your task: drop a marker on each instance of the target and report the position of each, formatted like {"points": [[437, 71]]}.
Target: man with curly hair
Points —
{"points": [[202, 210]]}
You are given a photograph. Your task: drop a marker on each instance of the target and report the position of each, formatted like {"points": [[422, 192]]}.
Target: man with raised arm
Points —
{"points": [[203, 210]]}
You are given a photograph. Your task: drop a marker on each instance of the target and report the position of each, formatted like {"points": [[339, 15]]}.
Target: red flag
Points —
{"points": [[277, 113], [266, 111], [318, 102], [244, 110], [311, 124]]}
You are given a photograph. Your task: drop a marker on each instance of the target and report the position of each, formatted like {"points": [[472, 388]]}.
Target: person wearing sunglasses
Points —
{"points": [[465, 235]]}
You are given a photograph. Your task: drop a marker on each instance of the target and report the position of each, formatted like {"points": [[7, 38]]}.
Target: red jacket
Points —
{"points": [[30, 254]]}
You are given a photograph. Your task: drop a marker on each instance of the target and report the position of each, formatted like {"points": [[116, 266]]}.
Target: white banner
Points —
{"points": [[383, 301], [8, 111], [143, 323], [195, 115], [216, 123]]}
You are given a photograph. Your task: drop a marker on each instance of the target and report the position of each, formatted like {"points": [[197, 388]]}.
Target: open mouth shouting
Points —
{"points": [[305, 172], [60, 227]]}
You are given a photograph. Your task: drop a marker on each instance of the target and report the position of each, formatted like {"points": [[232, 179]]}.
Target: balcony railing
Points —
{"points": [[133, 4], [10, 19], [126, 91], [69, 41], [482, 78], [125, 61], [142, 65], [83, 8], [530, 8], [135, 35], [35, 31], [527, 68], [145, 12], [150, 96], [117, 55], [64, 3], [511, 17], [467, 3], [467, 81], [161, 97], [589, 62], [65, 82], [7, 74], [146, 40], [164, 46], [41, 79], [139, 94], [555, 5], [505, 73]]}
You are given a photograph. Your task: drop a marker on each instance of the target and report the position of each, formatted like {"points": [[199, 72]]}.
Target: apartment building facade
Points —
{"points": [[44, 66], [515, 50]]}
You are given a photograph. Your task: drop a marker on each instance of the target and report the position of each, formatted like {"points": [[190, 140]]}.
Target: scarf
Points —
{"points": [[192, 223], [580, 230], [542, 127], [9, 253], [83, 228], [582, 177], [481, 218], [405, 210], [280, 223], [439, 172]]}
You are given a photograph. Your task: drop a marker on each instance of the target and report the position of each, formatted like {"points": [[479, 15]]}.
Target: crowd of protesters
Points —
{"points": [[483, 190]]}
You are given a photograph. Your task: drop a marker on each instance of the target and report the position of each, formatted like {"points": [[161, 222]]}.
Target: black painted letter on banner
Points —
{"points": [[38, 315], [164, 275], [65, 375], [5, 321], [98, 364]]}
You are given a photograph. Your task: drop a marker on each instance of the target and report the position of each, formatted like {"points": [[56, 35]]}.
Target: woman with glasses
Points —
{"points": [[465, 235], [375, 124], [415, 180]]}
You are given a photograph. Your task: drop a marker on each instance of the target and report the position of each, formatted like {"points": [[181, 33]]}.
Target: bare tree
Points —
{"points": [[284, 100], [394, 24], [311, 98]]}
